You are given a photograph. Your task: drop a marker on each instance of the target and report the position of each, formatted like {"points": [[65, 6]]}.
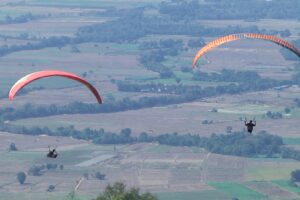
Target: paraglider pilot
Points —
{"points": [[52, 153], [250, 125]]}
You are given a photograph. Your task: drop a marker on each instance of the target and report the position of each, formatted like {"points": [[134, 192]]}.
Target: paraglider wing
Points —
{"points": [[42, 74], [229, 38]]}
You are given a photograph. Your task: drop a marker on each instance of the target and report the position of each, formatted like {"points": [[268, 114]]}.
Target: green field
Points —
{"points": [[109, 48], [19, 157], [271, 170], [170, 172], [237, 190], [291, 141], [159, 149], [203, 195], [295, 113], [287, 185]]}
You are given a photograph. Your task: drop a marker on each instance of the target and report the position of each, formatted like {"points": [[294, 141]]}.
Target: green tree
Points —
{"points": [[287, 110], [21, 176], [295, 176], [36, 170], [118, 192], [51, 188], [12, 147], [228, 129], [99, 176]]}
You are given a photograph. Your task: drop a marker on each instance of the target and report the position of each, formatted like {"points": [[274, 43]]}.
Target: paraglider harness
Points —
{"points": [[250, 125], [52, 153]]}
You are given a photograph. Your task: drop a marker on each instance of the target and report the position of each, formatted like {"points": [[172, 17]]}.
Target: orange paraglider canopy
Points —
{"points": [[42, 74], [229, 38]]}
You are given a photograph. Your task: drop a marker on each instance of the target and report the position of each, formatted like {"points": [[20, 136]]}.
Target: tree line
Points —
{"points": [[250, 10], [21, 18], [135, 25], [186, 94], [129, 27], [153, 53], [237, 83], [237, 143]]}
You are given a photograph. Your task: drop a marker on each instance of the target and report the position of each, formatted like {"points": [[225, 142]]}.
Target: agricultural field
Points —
{"points": [[171, 173], [188, 117], [92, 3], [275, 24]]}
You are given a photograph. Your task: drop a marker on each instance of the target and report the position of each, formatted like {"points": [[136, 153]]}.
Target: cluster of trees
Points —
{"points": [[125, 86], [152, 61], [274, 115], [154, 52], [238, 81], [118, 192], [121, 30], [99, 176], [130, 26], [238, 143], [243, 77], [20, 19], [53, 166], [53, 41], [185, 94], [39, 170], [95, 174], [207, 121], [223, 9], [97, 136], [29, 110], [290, 153], [169, 44], [295, 176]]}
